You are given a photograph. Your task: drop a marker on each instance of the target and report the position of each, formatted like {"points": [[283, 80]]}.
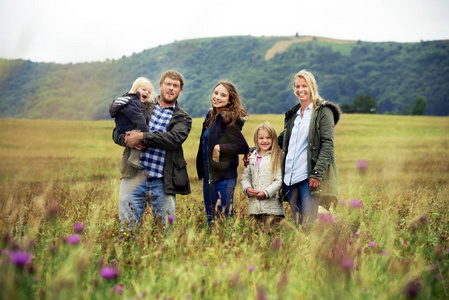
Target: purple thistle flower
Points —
{"points": [[20, 258], [355, 203], [251, 268], [118, 288], [326, 218], [412, 289], [171, 219], [276, 243], [109, 273], [73, 239], [205, 264], [347, 263], [78, 227], [385, 253], [372, 244], [357, 233], [263, 229], [362, 165]]}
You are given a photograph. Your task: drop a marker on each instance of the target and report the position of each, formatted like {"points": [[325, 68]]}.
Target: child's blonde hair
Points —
{"points": [[276, 153], [142, 81]]}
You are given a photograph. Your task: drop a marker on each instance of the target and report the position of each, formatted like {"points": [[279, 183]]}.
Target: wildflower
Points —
{"points": [[276, 243], [343, 202], [205, 264], [109, 273], [73, 239], [263, 229], [362, 165], [20, 258], [251, 268], [326, 218], [447, 250], [355, 203], [118, 288], [347, 263], [412, 289], [78, 227], [372, 244], [357, 233], [423, 219], [385, 253], [171, 219]]}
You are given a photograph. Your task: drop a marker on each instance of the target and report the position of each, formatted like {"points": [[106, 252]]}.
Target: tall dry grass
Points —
{"points": [[388, 238]]}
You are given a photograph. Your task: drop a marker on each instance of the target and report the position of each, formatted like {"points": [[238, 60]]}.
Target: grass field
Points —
{"points": [[388, 238]]}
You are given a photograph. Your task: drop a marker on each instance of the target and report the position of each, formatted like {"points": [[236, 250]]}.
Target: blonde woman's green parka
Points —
{"points": [[321, 163]]}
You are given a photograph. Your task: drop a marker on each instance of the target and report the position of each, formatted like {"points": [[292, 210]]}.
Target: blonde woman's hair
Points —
{"points": [[311, 82], [276, 153]]}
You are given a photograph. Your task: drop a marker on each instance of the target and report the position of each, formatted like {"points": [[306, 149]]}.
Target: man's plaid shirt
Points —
{"points": [[153, 158]]}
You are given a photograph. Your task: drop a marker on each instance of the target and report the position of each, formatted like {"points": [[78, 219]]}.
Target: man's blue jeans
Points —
{"points": [[219, 198], [304, 207], [133, 197]]}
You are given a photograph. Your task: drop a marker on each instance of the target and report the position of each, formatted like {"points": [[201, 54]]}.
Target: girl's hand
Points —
{"points": [[260, 195], [251, 192], [216, 153]]}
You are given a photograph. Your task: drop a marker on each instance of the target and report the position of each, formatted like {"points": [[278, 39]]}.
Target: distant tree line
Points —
{"points": [[366, 104], [361, 77]]}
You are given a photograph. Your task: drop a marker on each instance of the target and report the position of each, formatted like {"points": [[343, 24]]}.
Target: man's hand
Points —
{"points": [[134, 139], [140, 147], [314, 183], [246, 159]]}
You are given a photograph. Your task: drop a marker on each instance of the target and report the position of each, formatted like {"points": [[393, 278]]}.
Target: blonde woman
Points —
{"points": [[308, 158]]}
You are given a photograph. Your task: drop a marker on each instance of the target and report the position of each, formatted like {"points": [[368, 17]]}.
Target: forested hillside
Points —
{"points": [[394, 74]]}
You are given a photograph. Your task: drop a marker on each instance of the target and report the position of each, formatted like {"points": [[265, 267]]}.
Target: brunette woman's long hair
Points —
{"points": [[233, 111], [276, 152]]}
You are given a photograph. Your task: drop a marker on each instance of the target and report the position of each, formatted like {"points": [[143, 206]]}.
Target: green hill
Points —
{"points": [[395, 74]]}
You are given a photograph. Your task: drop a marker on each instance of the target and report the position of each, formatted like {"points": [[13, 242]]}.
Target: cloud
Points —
{"points": [[93, 30]]}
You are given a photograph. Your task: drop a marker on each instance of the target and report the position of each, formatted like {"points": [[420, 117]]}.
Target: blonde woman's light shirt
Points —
{"points": [[296, 161]]}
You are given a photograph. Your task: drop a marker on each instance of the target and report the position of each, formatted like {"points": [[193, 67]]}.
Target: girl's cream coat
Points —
{"points": [[261, 179]]}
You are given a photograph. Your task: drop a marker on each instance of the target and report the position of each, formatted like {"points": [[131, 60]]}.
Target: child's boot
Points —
{"points": [[134, 159]]}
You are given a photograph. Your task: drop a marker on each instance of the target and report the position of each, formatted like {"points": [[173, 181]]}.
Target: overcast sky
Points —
{"points": [[94, 30]]}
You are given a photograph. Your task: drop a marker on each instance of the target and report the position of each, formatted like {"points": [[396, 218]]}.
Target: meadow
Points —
{"points": [[388, 237]]}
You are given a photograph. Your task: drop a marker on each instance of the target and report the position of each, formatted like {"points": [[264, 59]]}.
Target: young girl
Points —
{"points": [[130, 113], [220, 144], [262, 178]]}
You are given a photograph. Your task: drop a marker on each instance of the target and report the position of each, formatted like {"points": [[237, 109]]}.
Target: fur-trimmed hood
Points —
{"points": [[334, 108]]}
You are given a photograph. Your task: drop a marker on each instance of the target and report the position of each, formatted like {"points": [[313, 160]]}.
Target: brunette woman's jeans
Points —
{"points": [[304, 207], [219, 198]]}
